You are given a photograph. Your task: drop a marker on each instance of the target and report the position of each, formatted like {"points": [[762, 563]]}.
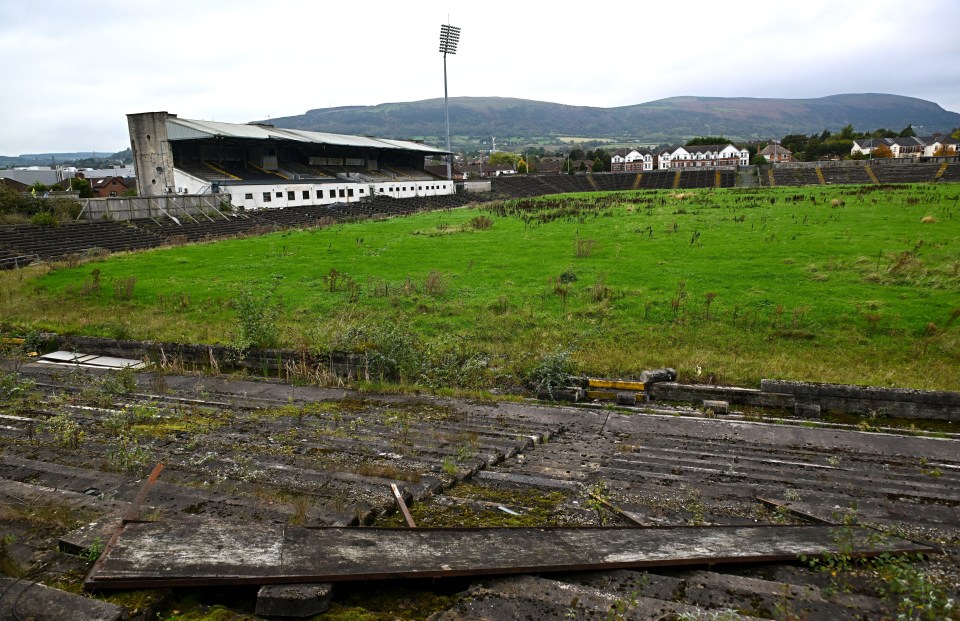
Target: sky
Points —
{"points": [[72, 70]]}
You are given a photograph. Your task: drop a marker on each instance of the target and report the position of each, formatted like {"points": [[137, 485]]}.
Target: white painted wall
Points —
{"points": [[278, 195]]}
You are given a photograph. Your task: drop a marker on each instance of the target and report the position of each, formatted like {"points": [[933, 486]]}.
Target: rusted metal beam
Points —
{"points": [[795, 511], [133, 513], [168, 554], [402, 505], [630, 517]]}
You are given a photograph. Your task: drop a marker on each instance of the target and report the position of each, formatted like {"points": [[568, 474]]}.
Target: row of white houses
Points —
{"points": [[912, 146], [699, 156]]}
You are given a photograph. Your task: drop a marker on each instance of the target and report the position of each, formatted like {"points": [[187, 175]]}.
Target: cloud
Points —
{"points": [[77, 70]]}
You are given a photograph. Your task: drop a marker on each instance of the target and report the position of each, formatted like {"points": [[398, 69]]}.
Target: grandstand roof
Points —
{"points": [[187, 129]]}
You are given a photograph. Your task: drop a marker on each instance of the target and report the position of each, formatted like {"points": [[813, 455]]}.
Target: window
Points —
{"points": [[279, 194], [248, 196], [291, 195], [267, 197], [342, 193], [350, 192], [319, 193], [333, 193], [361, 190], [306, 195]]}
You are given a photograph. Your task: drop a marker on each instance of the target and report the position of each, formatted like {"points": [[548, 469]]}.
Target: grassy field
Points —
{"points": [[840, 284]]}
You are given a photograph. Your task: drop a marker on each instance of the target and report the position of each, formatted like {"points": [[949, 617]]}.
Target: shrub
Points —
{"points": [[44, 218]]}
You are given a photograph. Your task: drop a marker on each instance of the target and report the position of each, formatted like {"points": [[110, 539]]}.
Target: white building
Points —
{"points": [[258, 166], [631, 160], [911, 146], [713, 155]]}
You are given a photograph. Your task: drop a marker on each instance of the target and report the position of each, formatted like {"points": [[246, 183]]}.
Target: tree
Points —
{"points": [[706, 140], [955, 133], [503, 157], [759, 160], [883, 132], [907, 132], [522, 167], [576, 153], [597, 165], [882, 152], [82, 186], [847, 133]]}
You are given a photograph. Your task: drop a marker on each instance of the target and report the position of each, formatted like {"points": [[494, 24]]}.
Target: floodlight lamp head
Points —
{"points": [[449, 37]]}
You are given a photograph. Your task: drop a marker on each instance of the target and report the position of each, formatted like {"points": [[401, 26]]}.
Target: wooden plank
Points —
{"points": [[161, 554], [403, 506], [615, 384]]}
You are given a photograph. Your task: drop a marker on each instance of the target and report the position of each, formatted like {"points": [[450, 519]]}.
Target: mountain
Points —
{"points": [[90, 159], [664, 120]]}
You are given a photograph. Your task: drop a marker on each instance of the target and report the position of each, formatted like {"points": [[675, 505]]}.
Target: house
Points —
{"points": [[631, 160], [776, 153], [105, 187], [909, 146], [549, 166], [697, 156], [483, 170]]}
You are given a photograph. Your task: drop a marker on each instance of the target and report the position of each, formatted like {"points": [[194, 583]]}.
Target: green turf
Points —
{"points": [[853, 284]]}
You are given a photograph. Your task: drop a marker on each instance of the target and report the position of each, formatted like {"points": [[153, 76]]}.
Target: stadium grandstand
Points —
{"points": [[258, 166]]}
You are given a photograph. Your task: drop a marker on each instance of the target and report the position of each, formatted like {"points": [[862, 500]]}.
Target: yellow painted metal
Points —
{"points": [[603, 395], [615, 384]]}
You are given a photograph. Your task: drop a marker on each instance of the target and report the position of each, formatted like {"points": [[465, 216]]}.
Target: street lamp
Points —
{"points": [[449, 37]]}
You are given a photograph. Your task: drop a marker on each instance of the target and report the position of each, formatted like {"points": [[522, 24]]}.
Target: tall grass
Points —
{"points": [[846, 284]]}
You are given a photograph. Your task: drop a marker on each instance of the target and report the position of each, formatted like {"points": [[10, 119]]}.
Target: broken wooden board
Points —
{"points": [[155, 554]]}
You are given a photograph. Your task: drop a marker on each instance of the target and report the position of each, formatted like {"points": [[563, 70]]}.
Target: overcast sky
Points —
{"points": [[73, 70]]}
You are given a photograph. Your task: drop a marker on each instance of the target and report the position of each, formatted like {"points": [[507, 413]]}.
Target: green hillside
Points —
{"points": [[666, 120]]}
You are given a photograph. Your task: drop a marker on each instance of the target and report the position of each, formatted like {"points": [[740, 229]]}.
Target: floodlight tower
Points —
{"points": [[449, 37]]}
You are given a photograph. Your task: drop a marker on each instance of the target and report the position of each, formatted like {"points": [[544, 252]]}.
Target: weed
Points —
{"points": [[127, 455], [66, 432], [95, 549], [551, 372], [481, 223], [597, 498], [694, 505], [583, 248], [257, 315], [449, 466], [435, 284], [123, 288]]}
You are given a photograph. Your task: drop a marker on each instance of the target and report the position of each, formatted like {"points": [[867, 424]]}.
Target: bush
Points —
{"points": [[44, 218]]}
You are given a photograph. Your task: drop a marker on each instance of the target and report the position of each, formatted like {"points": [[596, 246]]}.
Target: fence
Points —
{"points": [[189, 207]]}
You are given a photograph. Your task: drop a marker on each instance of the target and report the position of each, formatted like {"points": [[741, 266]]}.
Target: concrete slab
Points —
{"points": [[294, 600], [23, 599], [66, 356]]}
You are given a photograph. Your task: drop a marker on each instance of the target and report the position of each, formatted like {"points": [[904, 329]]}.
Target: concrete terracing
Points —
{"points": [[246, 451]]}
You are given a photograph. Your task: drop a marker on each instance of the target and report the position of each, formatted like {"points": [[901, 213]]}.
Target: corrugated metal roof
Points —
{"points": [[188, 129]]}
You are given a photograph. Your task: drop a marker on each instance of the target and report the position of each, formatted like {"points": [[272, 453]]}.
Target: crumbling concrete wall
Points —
{"points": [[892, 402], [271, 362]]}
